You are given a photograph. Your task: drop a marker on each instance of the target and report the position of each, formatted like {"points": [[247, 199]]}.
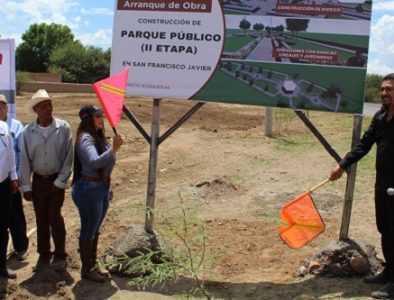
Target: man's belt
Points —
{"points": [[45, 177]]}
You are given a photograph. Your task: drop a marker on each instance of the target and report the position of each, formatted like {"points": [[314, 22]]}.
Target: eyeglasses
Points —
{"points": [[386, 88]]}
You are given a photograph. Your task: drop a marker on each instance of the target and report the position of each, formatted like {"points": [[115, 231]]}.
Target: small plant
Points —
{"points": [[183, 240]]}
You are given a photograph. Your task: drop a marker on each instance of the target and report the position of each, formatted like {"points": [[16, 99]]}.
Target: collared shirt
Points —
{"points": [[381, 132], [7, 156], [16, 129], [46, 155]]}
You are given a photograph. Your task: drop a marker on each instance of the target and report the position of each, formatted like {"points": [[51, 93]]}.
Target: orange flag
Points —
{"points": [[300, 221], [111, 92]]}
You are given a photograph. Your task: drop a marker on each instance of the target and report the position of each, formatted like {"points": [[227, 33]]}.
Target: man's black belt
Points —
{"points": [[45, 177]]}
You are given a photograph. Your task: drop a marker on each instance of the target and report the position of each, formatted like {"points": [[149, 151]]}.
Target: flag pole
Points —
{"points": [[114, 130], [319, 185]]}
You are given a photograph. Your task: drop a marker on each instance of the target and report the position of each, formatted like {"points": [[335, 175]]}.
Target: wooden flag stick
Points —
{"points": [[319, 185], [114, 130]]}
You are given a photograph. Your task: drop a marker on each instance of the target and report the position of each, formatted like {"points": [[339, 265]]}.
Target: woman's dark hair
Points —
{"points": [[87, 126]]}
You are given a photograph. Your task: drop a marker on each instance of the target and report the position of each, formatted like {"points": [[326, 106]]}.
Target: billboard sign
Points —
{"points": [[7, 73], [297, 54], [171, 46]]}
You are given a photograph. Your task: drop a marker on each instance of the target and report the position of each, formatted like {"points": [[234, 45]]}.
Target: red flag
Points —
{"points": [[300, 221], [111, 92]]}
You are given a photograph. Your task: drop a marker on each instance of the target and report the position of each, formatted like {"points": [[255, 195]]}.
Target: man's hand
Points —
{"points": [[28, 196], [336, 173], [14, 186]]}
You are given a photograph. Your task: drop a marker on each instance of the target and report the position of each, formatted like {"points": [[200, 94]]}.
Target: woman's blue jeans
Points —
{"points": [[92, 200]]}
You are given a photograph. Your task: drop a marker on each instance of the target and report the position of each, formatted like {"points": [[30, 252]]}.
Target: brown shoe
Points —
{"points": [[381, 278], [58, 263], [21, 255], [387, 292], [42, 263], [92, 275]]}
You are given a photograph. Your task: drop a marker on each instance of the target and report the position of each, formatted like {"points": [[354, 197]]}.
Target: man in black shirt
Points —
{"points": [[381, 132]]}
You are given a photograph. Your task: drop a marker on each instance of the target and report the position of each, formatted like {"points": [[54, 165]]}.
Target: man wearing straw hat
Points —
{"points": [[47, 154], [381, 133], [17, 224]]}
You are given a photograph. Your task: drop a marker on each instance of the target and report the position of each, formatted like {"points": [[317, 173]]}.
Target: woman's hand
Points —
{"points": [[117, 143]]}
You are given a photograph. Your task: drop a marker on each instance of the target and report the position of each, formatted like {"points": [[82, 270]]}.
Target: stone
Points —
{"points": [[359, 265]]}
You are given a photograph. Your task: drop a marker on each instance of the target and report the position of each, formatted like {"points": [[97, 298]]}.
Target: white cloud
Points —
{"points": [[101, 38], [17, 14], [383, 5], [377, 67], [97, 11], [382, 35]]}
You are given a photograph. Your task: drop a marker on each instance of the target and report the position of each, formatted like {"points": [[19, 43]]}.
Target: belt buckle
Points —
{"points": [[46, 177]]}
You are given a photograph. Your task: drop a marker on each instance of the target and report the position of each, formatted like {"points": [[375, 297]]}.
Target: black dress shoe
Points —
{"points": [[381, 278], [385, 293], [7, 274]]}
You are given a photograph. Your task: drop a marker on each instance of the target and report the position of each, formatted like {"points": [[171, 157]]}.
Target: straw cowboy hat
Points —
{"points": [[39, 96], [3, 98]]}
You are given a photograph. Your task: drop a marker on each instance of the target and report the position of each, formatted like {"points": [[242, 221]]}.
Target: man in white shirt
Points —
{"points": [[47, 153], [8, 185], [17, 223]]}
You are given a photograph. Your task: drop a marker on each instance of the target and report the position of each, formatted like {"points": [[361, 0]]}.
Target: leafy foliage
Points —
{"points": [[39, 41], [185, 257], [372, 87], [244, 25], [80, 64]]}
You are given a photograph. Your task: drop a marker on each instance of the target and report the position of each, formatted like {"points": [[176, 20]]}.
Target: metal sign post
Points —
{"points": [[154, 146], [350, 183]]}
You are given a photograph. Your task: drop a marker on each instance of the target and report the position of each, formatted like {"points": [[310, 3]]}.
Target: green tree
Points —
{"points": [[372, 87], [96, 66], [258, 27], [244, 25], [80, 64], [68, 61], [39, 41], [296, 25]]}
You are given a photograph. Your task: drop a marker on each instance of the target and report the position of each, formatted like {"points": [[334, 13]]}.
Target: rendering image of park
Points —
{"points": [[285, 85], [293, 40], [334, 9]]}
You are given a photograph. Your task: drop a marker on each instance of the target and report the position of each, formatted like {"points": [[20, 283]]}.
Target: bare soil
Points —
{"points": [[236, 179]]}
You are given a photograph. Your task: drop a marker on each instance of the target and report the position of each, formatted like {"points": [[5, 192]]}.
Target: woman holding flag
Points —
{"points": [[94, 161]]}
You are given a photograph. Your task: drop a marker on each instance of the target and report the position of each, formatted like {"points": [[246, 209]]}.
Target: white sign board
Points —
{"points": [[171, 46], [7, 73]]}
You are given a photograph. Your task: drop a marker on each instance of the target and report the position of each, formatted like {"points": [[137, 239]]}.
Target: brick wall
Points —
{"points": [[56, 87], [45, 77]]}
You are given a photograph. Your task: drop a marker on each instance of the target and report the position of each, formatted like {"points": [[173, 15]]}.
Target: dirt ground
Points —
{"points": [[236, 179]]}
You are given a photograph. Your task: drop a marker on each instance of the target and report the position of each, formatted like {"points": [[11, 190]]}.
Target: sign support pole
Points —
{"points": [[350, 183], [154, 147], [268, 121]]}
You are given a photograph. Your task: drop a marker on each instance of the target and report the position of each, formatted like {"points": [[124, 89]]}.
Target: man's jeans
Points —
{"points": [[92, 200]]}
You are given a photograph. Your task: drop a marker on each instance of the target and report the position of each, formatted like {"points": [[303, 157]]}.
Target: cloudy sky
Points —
{"points": [[91, 22]]}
